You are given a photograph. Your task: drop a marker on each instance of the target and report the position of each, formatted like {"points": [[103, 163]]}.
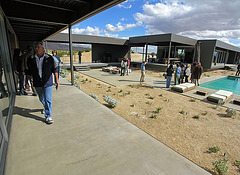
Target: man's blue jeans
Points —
{"points": [[45, 96], [169, 78]]}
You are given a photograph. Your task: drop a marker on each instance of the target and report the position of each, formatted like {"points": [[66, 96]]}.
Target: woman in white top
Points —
{"points": [[187, 72]]}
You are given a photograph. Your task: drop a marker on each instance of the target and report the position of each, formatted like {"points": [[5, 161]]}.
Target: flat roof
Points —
{"points": [[162, 40], [222, 44], [87, 39]]}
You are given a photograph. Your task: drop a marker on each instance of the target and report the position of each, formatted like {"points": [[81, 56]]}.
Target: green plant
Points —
{"points": [[237, 163], [86, 79], [132, 105], [123, 94], [147, 94], [128, 92], [230, 112], [77, 77], [148, 103], [138, 86], [233, 69], [192, 100], [161, 95], [83, 81], [90, 81], [120, 91], [109, 90], [196, 116], [214, 149], [221, 166], [77, 84], [151, 98], [154, 116], [158, 110], [182, 112]]}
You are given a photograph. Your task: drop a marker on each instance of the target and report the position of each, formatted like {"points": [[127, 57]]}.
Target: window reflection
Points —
{"points": [[4, 100]]}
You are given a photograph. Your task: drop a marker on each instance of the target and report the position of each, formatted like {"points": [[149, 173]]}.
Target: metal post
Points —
{"points": [[146, 52], [71, 54], [46, 48], [143, 54], [169, 52]]}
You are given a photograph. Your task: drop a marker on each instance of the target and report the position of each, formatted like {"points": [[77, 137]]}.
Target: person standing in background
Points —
{"points": [[143, 69], [17, 68], [177, 74], [57, 61], [28, 77], [79, 56], [169, 75], [187, 72], [128, 66]]}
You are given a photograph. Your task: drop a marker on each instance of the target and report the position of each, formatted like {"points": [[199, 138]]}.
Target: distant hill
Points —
{"points": [[63, 46]]}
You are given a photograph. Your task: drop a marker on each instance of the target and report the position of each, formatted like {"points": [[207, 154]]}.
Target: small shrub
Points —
{"points": [[233, 69], [158, 110], [86, 79], [154, 116], [132, 105], [94, 96], [123, 94], [147, 94], [138, 86], [221, 166], [237, 163], [230, 112], [214, 149], [128, 92], [98, 84], [182, 112], [148, 103], [77, 84], [77, 77], [161, 95], [109, 90], [120, 91], [192, 100], [196, 116], [112, 102], [83, 81], [90, 81]]}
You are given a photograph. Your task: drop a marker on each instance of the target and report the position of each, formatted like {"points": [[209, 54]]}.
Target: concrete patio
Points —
{"points": [[86, 138]]}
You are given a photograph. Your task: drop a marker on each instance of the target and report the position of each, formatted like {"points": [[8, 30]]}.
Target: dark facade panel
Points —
{"points": [[99, 52], [206, 53]]}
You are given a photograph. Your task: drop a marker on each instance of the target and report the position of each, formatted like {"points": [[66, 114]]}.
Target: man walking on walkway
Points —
{"points": [[41, 66]]}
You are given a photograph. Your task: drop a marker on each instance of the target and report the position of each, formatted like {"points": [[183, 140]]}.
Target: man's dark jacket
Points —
{"points": [[48, 68]]}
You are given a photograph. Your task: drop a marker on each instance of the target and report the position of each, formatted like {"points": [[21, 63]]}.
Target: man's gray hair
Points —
{"points": [[36, 43]]}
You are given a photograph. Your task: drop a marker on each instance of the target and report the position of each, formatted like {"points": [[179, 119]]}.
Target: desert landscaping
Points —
{"points": [[198, 130]]}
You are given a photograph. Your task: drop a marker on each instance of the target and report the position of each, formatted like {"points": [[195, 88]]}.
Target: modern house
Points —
{"points": [[171, 48]]}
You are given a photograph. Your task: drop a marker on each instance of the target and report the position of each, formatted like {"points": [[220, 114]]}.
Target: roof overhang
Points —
{"points": [[38, 19], [87, 39], [162, 40]]}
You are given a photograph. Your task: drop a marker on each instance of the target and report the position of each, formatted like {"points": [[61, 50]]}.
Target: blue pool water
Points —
{"points": [[229, 83]]}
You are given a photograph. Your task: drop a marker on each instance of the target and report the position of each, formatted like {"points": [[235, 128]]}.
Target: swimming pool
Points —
{"points": [[230, 83]]}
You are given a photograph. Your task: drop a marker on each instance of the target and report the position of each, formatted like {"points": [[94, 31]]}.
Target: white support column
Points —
{"points": [[146, 52], [169, 52], [71, 54]]}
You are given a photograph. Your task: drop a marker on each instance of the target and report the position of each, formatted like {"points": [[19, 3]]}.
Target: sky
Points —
{"points": [[198, 19]]}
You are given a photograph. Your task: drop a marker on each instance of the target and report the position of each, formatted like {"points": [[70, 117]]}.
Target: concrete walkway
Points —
{"points": [[87, 138]]}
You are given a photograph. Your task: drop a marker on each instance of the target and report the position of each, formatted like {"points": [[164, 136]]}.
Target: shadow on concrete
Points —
{"points": [[27, 113]]}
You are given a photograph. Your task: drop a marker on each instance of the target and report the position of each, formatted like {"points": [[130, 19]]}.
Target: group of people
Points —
{"points": [[183, 73], [36, 66], [125, 65]]}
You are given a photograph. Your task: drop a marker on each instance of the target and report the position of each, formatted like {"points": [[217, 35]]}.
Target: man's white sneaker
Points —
{"points": [[49, 120]]}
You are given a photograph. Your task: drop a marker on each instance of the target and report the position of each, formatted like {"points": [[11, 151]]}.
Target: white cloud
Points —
{"points": [[217, 19], [125, 5], [120, 27]]}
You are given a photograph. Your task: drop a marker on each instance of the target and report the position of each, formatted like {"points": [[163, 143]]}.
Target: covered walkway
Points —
{"points": [[86, 138]]}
